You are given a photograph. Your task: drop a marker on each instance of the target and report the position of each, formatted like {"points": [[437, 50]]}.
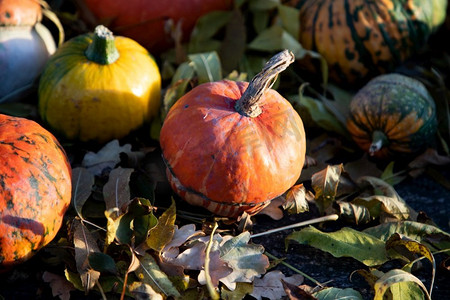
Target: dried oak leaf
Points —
{"points": [[271, 285]]}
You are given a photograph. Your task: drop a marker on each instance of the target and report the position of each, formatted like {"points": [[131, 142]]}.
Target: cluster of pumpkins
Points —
{"points": [[228, 146]]}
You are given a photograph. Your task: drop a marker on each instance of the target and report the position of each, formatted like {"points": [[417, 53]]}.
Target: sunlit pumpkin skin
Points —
{"points": [[88, 101], [149, 21], [228, 162], [361, 39], [392, 115], [25, 45], [35, 189]]}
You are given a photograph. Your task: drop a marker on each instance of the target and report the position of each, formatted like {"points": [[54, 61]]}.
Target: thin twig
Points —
{"points": [[294, 269], [332, 217], [212, 291]]}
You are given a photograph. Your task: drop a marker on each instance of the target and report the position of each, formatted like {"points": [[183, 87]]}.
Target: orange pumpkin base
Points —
{"points": [[227, 209]]}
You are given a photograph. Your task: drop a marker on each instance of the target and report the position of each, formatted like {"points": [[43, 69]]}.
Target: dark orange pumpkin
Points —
{"points": [[35, 188], [148, 21], [232, 146]]}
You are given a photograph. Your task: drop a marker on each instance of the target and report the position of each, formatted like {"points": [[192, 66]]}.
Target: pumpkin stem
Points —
{"points": [[247, 105], [103, 49], [379, 140]]}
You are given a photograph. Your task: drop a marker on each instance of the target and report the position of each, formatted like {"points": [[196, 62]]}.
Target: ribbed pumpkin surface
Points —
{"points": [[396, 106], [227, 162], [360, 39], [35, 188]]}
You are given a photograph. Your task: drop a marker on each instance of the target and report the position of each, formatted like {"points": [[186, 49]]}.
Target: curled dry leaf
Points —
{"points": [[82, 184], [393, 207], [106, 158], [142, 291], [60, 286], [218, 269], [85, 244], [116, 191], [297, 199], [429, 158], [271, 285], [295, 292], [273, 210], [325, 184]]}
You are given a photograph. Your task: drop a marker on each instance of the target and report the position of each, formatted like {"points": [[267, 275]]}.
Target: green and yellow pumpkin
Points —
{"points": [[361, 39], [35, 189], [392, 115], [97, 87]]}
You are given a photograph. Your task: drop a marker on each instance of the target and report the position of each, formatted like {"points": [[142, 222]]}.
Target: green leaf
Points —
{"points": [[346, 242], [74, 278], [118, 227], [429, 235], [144, 219], [325, 184], [263, 5], [150, 273], [207, 66], [397, 276], [275, 38], [208, 25], [389, 177], [322, 116], [102, 262], [261, 20], [242, 289], [406, 290], [172, 94], [290, 18], [340, 106], [163, 232], [336, 293]]}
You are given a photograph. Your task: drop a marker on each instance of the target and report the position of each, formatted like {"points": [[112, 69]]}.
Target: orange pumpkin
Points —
{"points": [[35, 189], [148, 21], [233, 146]]}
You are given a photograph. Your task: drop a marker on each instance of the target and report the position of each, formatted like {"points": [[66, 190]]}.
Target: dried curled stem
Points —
{"points": [[247, 105]]}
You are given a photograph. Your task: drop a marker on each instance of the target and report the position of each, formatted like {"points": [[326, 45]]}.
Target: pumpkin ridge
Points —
{"points": [[386, 38], [192, 191], [313, 34], [364, 55]]}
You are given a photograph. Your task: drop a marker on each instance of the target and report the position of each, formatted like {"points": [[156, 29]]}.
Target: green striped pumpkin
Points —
{"points": [[360, 39], [392, 115]]}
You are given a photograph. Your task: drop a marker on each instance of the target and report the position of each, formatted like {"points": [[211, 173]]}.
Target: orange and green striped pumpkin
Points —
{"points": [[360, 39], [392, 115], [35, 189]]}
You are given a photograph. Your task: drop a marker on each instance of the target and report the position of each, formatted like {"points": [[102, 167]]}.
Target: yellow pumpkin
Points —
{"points": [[97, 87]]}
